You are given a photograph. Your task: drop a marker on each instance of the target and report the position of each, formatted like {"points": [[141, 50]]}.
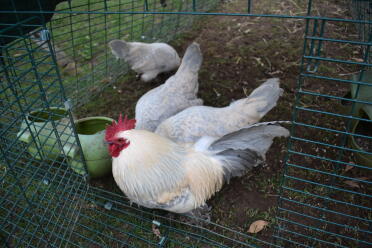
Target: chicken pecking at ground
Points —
{"points": [[176, 94], [146, 59], [155, 172], [192, 123]]}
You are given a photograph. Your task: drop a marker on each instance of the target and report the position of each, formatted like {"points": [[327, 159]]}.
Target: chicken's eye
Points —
{"points": [[121, 140]]}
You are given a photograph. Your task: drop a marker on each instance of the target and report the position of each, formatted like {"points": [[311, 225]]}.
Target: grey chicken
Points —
{"points": [[146, 59], [192, 123]]}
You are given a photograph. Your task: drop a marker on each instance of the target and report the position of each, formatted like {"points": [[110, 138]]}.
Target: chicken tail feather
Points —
{"points": [[242, 150], [261, 100], [192, 59]]}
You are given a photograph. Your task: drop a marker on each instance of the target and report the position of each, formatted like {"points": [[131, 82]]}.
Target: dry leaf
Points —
{"points": [[245, 90], [257, 226], [358, 60], [352, 184], [363, 178], [105, 81], [275, 72], [217, 93], [348, 167]]}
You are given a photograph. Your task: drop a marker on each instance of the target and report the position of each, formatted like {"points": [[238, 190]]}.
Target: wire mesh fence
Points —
{"points": [[362, 10], [38, 141], [46, 200], [314, 205]]}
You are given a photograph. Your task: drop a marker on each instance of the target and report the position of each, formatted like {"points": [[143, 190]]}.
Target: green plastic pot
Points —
{"points": [[364, 93], [362, 158], [346, 105], [38, 131], [91, 132]]}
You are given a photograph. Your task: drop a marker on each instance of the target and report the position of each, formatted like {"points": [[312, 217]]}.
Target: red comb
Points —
{"points": [[122, 125]]}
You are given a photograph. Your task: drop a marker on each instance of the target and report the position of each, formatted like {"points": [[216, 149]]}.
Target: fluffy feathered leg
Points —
{"points": [[198, 216], [202, 213]]}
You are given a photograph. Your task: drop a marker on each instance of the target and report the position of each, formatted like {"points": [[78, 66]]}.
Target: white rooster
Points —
{"points": [[176, 94], [156, 172], [146, 59], [192, 123]]}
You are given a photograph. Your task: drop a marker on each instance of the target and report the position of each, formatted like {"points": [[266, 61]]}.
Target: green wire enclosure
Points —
{"points": [[50, 68]]}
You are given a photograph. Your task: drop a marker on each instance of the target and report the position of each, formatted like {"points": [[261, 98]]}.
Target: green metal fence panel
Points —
{"points": [[38, 142], [46, 201], [314, 189]]}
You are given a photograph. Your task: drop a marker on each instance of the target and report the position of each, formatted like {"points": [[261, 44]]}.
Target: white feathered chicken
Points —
{"points": [[146, 59], [156, 172], [176, 94], [192, 123]]}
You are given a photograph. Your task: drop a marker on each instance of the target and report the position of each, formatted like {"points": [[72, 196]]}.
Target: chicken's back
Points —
{"points": [[195, 122], [192, 123], [159, 57]]}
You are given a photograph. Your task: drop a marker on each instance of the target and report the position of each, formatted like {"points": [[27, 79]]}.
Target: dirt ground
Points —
{"points": [[239, 54]]}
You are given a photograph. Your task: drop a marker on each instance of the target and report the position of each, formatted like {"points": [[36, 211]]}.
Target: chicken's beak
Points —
{"points": [[109, 142]]}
